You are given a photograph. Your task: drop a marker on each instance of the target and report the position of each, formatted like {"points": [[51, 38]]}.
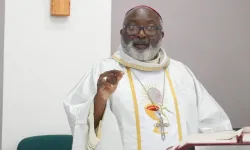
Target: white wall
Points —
{"points": [[212, 37], [1, 61], [44, 57]]}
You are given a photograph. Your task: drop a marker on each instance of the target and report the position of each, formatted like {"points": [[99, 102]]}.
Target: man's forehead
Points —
{"points": [[142, 11]]}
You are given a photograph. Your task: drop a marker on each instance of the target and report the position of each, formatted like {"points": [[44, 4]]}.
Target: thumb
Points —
{"points": [[119, 77]]}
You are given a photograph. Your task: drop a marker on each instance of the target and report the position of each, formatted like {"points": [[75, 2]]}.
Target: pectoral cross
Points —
{"points": [[161, 125]]}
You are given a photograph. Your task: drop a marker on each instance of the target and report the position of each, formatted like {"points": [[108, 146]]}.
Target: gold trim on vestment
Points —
{"points": [[138, 130], [139, 67], [176, 105]]}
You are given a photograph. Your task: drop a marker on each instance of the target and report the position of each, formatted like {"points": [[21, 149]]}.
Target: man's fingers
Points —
{"points": [[111, 79], [106, 74], [115, 72], [105, 85], [103, 77], [118, 72], [115, 78], [112, 76], [119, 77]]}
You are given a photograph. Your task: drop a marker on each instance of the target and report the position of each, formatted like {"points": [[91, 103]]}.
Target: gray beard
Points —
{"points": [[142, 55]]}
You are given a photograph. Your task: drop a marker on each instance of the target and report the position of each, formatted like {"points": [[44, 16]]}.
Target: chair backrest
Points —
{"points": [[46, 142]]}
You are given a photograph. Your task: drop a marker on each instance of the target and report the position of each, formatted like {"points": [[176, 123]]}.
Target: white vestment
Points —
{"points": [[128, 123]]}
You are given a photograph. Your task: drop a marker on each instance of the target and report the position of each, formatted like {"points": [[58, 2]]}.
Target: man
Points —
{"points": [[140, 99]]}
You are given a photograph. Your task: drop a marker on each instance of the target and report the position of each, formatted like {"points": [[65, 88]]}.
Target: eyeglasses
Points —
{"points": [[148, 30]]}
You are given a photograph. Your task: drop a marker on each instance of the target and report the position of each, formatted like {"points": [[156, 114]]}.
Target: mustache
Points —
{"points": [[138, 41]]}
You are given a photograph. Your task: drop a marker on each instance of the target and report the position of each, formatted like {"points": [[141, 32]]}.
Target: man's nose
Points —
{"points": [[141, 34]]}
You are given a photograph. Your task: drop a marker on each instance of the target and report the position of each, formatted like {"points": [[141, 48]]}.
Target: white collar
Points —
{"points": [[157, 60]]}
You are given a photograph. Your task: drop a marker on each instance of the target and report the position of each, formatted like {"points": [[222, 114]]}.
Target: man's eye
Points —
{"points": [[151, 27], [132, 27]]}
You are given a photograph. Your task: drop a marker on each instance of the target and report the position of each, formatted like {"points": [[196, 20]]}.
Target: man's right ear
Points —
{"points": [[162, 34], [121, 32]]}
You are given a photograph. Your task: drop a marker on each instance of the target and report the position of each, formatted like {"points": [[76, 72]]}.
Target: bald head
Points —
{"points": [[143, 13], [144, 6]]}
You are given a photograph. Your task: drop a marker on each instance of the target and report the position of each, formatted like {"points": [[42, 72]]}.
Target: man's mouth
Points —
{"points": [[141, 46]]}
